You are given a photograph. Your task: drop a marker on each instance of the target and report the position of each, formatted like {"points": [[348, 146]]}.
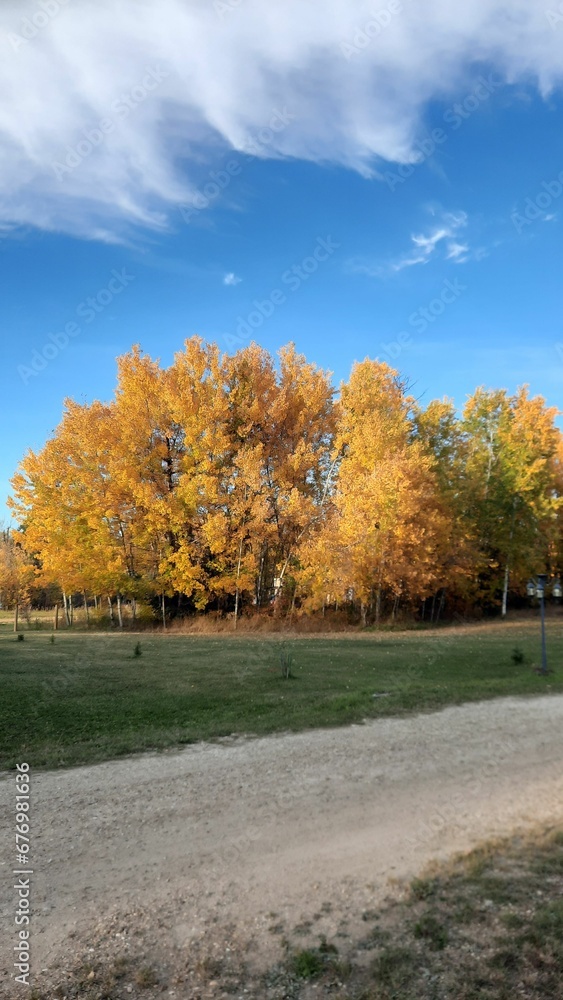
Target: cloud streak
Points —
{"points": [[424, 247], [222, 78]]}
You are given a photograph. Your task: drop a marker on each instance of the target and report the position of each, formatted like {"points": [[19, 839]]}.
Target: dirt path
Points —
{"points": [[292, 825]]}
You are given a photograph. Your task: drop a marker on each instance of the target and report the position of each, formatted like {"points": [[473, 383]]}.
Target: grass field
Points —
{"points": [[87, 698]]}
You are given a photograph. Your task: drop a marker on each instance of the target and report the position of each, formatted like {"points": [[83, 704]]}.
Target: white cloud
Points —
{"points": [[231, 279], [457, 252], [222, 79], [423, 248], [428, 243]]}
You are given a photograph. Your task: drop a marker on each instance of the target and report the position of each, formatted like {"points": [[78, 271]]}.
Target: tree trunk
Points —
{"points": [[110, 610], [56, 625], [163, 614], [95, 602], [507, 567], [505, 589], [16, 616], [86, 609], [441, 604], [65, 604], [71, 609], [378, 605], [363, 613], [134, 609], [260, 575], [292, 608], [237, 586], [119, 615]]}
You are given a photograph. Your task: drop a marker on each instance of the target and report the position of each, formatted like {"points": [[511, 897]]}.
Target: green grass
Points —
{"points": [[87, 697]]}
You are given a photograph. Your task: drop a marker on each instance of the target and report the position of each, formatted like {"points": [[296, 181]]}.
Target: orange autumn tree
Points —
{"points": [[440, 433], [78, 522], [17, 573], [283, 422], [255, 444], [387, 528]]}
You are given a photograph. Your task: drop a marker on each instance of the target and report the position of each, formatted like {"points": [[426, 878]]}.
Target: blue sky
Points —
{"points": [[427, 233]]}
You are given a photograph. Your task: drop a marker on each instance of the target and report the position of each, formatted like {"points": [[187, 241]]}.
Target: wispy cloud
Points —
{"points": [[231, 279], [424, 247], [221, 79], [458, 252], [426, 244]]}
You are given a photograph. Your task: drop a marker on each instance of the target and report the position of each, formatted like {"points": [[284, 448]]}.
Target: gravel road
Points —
{"points": [[244, 831]]}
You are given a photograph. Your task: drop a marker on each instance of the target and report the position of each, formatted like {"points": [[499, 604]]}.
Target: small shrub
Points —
{"points": [[21, 636], [394, 967], [137, 650], [517, 656], [52, 637], [429, 928], [307, 964], [286, 662], [422, 888]]}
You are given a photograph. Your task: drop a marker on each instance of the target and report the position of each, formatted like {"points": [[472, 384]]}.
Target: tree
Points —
{"points": [[387, 528], [16, 573], [510, 488]]}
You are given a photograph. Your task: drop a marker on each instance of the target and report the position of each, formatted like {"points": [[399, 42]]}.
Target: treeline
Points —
{"points": [[238, 483]]}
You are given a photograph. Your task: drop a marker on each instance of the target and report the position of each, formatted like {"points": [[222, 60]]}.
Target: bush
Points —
{"points": [[307, 964], [286, 662], [429, 928]]}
